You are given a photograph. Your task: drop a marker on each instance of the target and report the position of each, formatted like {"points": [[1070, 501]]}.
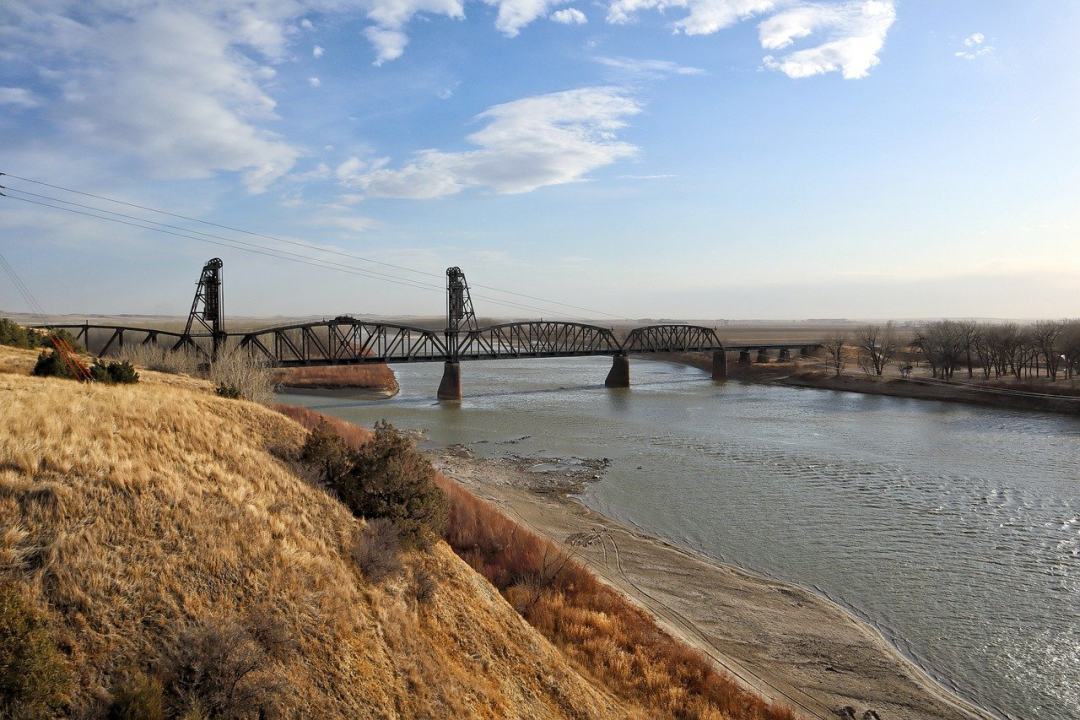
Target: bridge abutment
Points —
{"points": [[719, 365], [619, 375], [450, 386]]}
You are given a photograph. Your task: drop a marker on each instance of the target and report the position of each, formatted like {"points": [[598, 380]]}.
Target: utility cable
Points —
{"points": [[244, 246], [298, 243]]}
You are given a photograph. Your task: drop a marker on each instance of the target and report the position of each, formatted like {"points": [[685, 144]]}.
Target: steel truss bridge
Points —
{"points": [[347, 340]]}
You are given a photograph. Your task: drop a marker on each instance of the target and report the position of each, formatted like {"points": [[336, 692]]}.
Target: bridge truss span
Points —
{"points": [[537, 339], [345, 341], [671, 338]]}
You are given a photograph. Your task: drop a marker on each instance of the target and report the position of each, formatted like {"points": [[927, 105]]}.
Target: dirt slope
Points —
{"points": [[130, 511]]}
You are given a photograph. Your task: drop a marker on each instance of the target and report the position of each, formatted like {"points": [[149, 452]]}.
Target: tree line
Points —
{"points": [[1049, 348]]}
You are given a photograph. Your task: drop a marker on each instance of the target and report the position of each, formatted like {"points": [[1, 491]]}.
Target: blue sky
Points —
{"points": [[645, 158]]}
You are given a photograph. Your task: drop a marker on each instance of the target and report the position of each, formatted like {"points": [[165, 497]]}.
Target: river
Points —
{"points": [[954, 529]]}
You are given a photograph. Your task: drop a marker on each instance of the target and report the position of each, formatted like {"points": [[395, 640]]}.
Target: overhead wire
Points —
{"points": [[298, 243], [244, 246]]}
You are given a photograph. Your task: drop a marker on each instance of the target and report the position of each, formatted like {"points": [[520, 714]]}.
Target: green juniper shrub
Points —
{"points": [[229, 391], [326, 452], [14, 334], [50, 364], [35, 681], [114, 372], [389, 478]]}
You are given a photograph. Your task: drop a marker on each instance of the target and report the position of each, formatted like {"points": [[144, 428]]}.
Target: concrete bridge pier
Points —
{"points": [[804, 351], [762, 355], [450, 386], [744, 357], [619, 375], [785, 355], [719, 365]]}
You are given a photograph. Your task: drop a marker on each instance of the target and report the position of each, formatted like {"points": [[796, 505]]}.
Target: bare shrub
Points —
{"points": [[161, 359], [242, 375], [834, 350], [879, 344], [34, 678], [138, 698], [218, 670], [424, 586], [377, 550]]}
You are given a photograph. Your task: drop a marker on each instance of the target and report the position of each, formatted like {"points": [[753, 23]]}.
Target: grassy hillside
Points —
{"points": [[157, 523]]}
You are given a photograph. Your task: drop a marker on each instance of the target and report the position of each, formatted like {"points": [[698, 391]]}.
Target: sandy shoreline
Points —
{"points": [[786, 642]]}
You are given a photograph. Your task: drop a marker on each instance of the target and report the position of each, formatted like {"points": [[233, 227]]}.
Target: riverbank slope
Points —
{"points": [[789, 644]]}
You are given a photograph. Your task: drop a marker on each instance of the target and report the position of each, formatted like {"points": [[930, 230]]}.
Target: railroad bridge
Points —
{"points": [[346, 340]]}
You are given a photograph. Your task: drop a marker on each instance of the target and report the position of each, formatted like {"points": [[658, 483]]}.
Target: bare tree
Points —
{"points": [[1044, 337], [879, 344], [942, 344], [1070, 348], [834, 351], [969, 332]]}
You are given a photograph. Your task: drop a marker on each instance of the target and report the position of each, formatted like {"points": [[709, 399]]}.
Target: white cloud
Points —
{"points": [[703, 17], [569, 16], [306, 24], [389, 44], [513, 15], [19, 97], [314, 82], [387, 35], [166, 87], [853, 30], [648, 68], [527, 144], [854, 35], [318, 51], [975, 47]]}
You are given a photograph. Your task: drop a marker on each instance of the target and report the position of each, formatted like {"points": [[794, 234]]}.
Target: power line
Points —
{"points": [[298, 243], [22, 289], [236, 244]]}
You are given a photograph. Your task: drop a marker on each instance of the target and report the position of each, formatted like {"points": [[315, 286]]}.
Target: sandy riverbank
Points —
{"points": [[787, 643]]}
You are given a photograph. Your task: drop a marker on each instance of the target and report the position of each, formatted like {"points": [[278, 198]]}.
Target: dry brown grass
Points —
{"points": [[606, 636], [129, 513], [353, 435], [377, 376], [603, 632]]}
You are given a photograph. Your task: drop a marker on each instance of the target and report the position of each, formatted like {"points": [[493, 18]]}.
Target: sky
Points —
{"points": [[625, 158]]}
